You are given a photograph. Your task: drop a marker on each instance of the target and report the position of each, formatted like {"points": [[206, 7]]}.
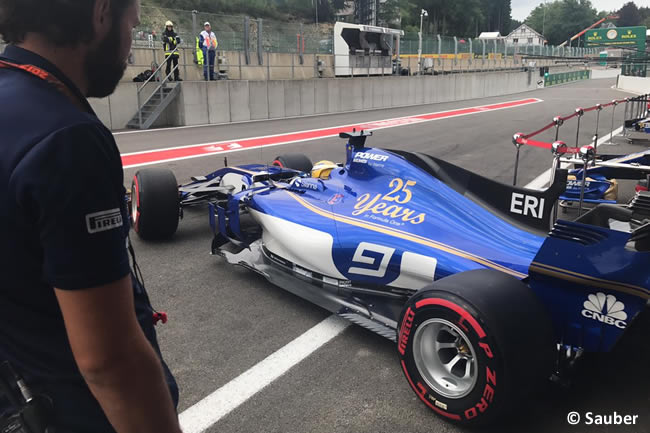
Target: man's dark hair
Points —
{"points": [[64, 22]]}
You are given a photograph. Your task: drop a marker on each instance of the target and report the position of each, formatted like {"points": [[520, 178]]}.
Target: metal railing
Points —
{"points": [[635, 109], [160, 88]]}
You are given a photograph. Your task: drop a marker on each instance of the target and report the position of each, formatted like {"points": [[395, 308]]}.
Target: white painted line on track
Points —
{"points": [[220, 403], [542, 181], [184, 152]]}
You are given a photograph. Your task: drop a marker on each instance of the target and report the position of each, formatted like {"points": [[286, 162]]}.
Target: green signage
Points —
{"points": [[566, 77], [617, 37]]}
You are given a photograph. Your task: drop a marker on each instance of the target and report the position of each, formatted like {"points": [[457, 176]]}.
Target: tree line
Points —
{"points": [[561, 19], [557, 20], [304, 10]]}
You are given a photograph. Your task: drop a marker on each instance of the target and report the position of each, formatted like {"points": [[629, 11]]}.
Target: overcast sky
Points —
{"points": [[521, 8]]}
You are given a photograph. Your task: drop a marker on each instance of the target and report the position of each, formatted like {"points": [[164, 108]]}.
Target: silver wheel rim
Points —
{"points": [[445, 358], [134, 205]]}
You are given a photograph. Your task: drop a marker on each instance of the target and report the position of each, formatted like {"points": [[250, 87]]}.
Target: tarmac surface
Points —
{"points": [[225, 320]]}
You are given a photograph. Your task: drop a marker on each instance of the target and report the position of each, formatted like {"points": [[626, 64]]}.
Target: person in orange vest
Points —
{"points": [[208, 43]]}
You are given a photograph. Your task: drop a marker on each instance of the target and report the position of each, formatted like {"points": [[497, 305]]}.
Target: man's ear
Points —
{"points": [[102, 19]]}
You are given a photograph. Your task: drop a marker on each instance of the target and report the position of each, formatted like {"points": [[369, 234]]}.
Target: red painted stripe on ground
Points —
{"points": [[194, 151]]}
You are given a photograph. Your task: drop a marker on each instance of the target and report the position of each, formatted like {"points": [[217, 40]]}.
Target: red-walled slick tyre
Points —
{"points": [[294, 161], [474, 345], [155, 204]]}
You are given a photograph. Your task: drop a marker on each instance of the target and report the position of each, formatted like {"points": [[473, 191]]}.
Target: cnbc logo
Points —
{"points": [[605, 309]]}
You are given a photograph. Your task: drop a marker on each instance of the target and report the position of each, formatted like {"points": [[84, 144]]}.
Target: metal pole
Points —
{"points": [[195, 34], [260, 54], [611, 133], [139, 112], [302, 45], [471, 51], [558, 148], [420, 43], [398, 50], [580, 112], [483, 57], [515, 141], [558, 122], [627, 102], [514, 181], [247, 53], [439, 50], [455, 51], [185, 63], [582, 188], [587, 154], [599, 109]]}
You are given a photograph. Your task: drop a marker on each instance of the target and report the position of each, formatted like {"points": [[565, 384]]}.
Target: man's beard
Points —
{"points": [[104, 67]]}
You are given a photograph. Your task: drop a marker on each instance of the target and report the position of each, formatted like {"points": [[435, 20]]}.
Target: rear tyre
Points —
{"points": [[155, 207], [294, 161], [474, 344]]}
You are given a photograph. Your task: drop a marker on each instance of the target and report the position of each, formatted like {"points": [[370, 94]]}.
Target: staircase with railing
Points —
{"points": [[151, 107]]}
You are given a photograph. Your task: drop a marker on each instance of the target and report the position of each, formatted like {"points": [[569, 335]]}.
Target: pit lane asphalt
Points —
{"points": [[224, 320]]}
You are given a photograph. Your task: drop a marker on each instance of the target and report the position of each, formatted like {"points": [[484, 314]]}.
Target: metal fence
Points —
{"points": [[235, 33], [446, 45], [241, 33]]}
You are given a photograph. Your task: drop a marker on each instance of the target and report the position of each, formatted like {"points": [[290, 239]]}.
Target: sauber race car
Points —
{"points": [[483, 296], [603, 176]]}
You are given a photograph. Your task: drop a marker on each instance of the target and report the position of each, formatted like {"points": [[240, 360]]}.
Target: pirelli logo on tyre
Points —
{"points": [[103, 221]]}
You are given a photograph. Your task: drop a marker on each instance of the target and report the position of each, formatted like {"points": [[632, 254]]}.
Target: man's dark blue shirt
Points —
{"points": [[63, 224]]}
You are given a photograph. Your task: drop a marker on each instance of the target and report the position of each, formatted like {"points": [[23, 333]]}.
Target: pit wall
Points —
{"points": [[242, 100], [640, 85]]}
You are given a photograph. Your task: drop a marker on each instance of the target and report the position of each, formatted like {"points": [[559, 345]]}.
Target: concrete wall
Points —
{"points": [[605, 73], [287, 66], [119, 108], [640, 85], [234, 101]]}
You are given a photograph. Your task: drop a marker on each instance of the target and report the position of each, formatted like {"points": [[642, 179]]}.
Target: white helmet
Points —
{"points": [[169, 24]]}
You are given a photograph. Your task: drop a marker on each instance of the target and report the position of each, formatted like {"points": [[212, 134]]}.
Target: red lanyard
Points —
{"points": [[50, 79]]}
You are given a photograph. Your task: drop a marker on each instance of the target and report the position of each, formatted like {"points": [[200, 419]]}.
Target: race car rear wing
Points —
{"points": [[528, 209]]}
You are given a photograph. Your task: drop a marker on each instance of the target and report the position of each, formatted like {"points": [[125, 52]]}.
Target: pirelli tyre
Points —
{"points": [[294, 161], [155, 204], [474, 345]]}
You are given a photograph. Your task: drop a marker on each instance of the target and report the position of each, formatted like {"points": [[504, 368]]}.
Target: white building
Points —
{"points": [[524, 35], [490, 36]]}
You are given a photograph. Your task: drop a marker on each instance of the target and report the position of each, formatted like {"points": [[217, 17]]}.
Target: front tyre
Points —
{"points": [[472, 344], [294, 161], [155, 204]]}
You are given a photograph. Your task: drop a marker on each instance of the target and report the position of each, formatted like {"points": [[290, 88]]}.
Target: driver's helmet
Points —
{"points": [[322, 169]]}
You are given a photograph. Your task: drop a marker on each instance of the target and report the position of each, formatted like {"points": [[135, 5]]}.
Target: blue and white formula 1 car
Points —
{"points": [[602, 182], [459, 270]]}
